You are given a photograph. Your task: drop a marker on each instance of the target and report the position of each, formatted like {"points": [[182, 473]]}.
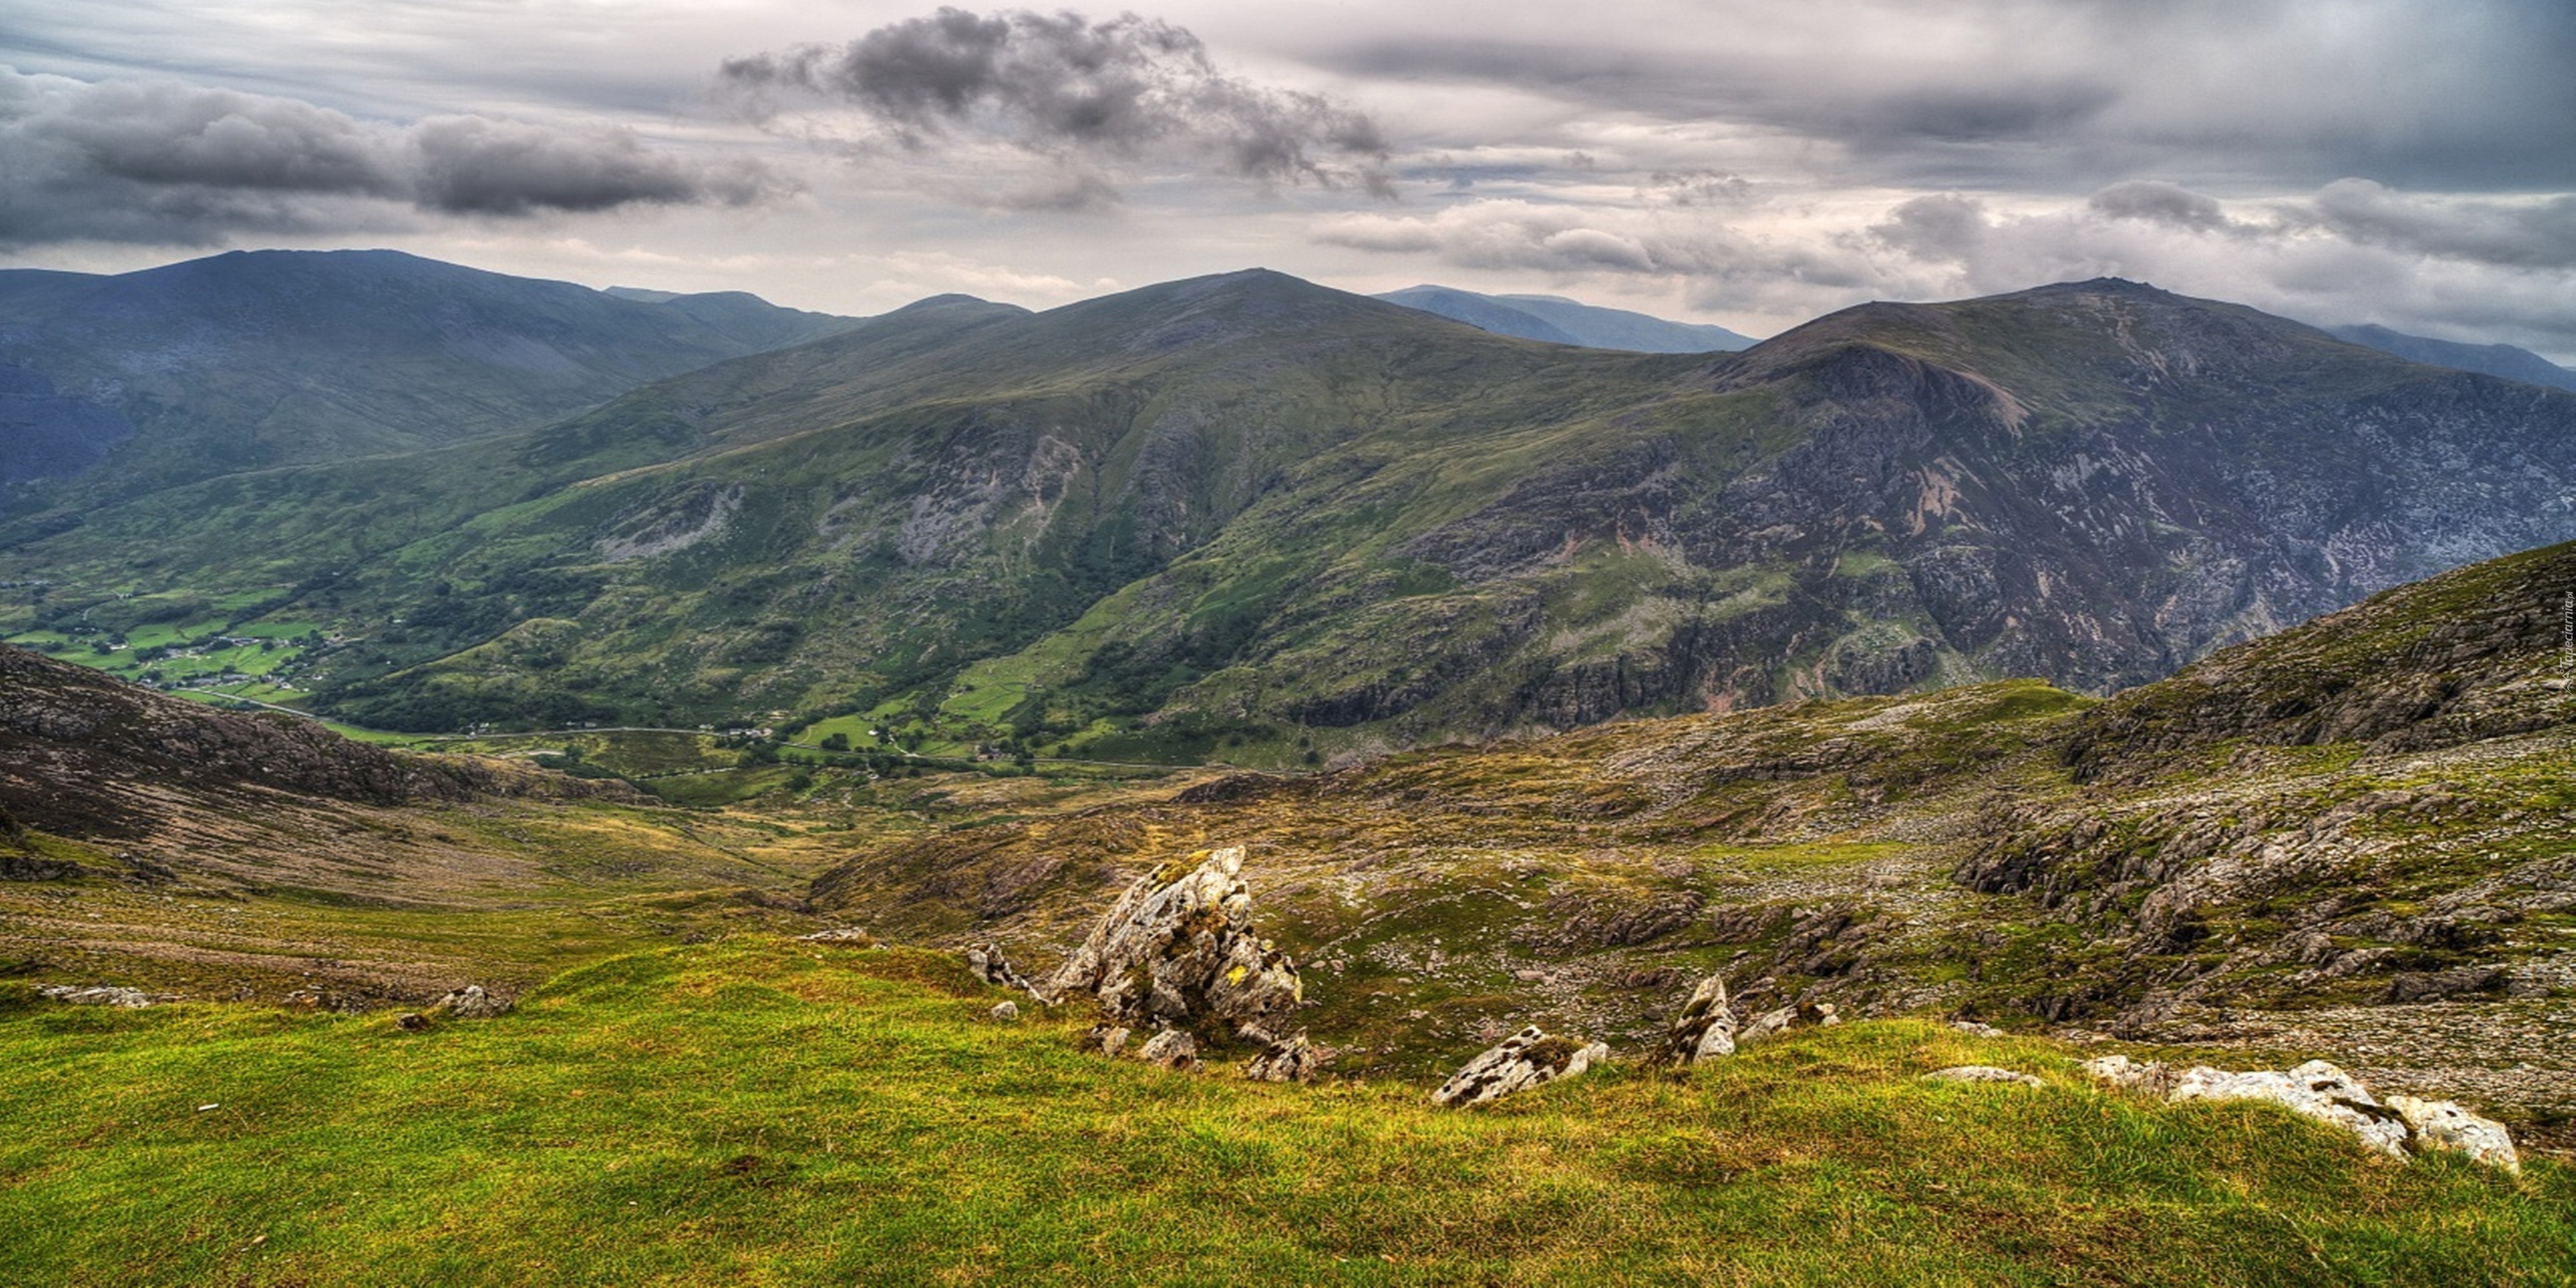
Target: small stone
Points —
{"points": [[1981, 1073], [1530, 976], [1765, 1025], [412, 1022], [1975, 1029], [1525, 1059], [469, 1003], [1006, 1011], [1295, 1060], [2443, 1124], [851, 935], [990, 966], [1107, 1039], [1172, 1049]]}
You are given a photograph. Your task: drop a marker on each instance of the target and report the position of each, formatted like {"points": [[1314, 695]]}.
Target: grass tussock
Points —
{"points": [[765, 1111]]}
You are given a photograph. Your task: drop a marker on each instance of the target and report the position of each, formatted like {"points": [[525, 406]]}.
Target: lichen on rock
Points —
{"points": [[1179, 949]]}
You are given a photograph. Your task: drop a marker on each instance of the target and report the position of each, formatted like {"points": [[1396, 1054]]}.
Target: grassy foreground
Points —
{"points": [[759, 1110]]}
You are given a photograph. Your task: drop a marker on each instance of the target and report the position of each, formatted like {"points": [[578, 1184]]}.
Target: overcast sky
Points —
{"points": [[1746, 162]]}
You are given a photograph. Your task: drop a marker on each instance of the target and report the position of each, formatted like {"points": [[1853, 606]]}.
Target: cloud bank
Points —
{"points": [[166, 162], [1091, 99]]}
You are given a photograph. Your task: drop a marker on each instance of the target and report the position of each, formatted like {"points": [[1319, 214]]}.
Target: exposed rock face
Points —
{"points": [[1179, 949], [1705, 1028], [2442, 1124], [1295, 1060], [1172, 1049], [1525, 1059], [1981, 1073]]}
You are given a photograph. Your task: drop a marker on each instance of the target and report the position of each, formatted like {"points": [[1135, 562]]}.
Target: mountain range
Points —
{"points": [[257, 359], [1250, 517], [1558, 320]]}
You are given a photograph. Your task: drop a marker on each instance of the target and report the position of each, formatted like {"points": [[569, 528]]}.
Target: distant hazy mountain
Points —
{"points": [[257, 359], [2493, 359], [1558, 320]]}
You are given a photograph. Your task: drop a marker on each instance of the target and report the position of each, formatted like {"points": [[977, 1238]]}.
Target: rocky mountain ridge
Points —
{"points": [[1251, 514]]}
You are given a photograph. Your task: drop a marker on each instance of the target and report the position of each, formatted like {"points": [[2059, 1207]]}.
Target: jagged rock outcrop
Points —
{"points": [[1179, 949], [1981, 1073], [1172, 1049], [1704, 1029], [1523, 1060], [2326, 1093]]}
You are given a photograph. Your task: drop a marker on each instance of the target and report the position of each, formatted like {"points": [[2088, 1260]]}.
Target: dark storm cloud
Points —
{"points": [[162, 161], [2518, 234], [2068, 95], [2157, 202], [1064, 87]]}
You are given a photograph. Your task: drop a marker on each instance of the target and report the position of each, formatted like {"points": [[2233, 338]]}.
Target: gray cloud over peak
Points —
{"points": [[1078, 92], [170, 162]]}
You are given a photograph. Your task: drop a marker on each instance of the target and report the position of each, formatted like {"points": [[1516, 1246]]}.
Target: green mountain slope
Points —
{"points": [[249, 360], [1250, 517]]}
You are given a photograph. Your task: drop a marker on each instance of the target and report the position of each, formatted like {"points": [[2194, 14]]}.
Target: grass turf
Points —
{"points": [[759, 1110]]}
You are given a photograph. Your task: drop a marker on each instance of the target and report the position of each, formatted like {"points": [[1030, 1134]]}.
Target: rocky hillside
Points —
{"points": [[87, 758], [2390, 889], [1248, 517]]}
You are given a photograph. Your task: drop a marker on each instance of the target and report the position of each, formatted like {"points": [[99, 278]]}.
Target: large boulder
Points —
{"points": [[2316, 1089], [1525, 1059], [1705, 1027], [1179, 951]]}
